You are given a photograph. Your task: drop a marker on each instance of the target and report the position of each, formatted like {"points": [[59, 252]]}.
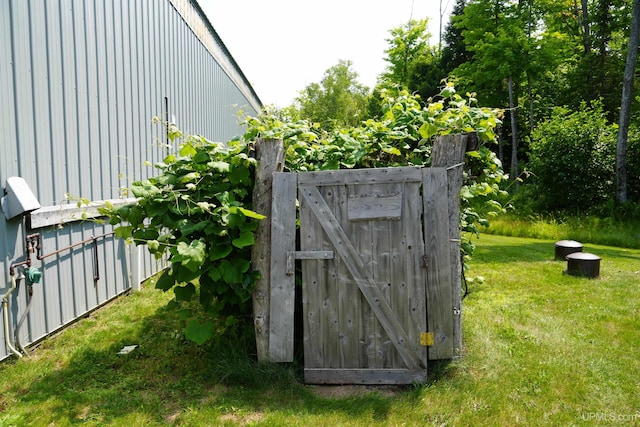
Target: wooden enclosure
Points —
{"points": [[379, 254]]}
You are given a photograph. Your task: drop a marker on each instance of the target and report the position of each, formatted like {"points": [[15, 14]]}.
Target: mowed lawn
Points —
{"points": [[540, 348]]}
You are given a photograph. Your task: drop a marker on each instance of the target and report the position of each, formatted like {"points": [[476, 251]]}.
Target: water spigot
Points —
{"points": [[33, 275]]}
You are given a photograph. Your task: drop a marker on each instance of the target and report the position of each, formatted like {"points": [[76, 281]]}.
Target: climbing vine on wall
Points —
{"points": [[197, 211]]}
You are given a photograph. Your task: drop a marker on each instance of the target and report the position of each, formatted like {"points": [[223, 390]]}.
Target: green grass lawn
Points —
{"points": [[541, 348], [624, 234]]}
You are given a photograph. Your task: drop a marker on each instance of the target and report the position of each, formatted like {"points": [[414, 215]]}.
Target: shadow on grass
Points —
{"points": [[500, 249], [166, 377]]}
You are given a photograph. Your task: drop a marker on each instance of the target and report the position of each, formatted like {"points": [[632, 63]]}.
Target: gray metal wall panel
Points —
{"points": [[82, 82]]}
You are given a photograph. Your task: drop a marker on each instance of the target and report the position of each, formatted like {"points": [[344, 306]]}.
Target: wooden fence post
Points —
{"points": [[449, 152], [270, 156]]}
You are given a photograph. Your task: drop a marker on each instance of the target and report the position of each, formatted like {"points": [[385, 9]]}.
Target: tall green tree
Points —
{"points": [[454, 52], [510, 54], [598, 30], [493, 30], [627, 89], [412, 63], [408, 45], [338, 100]]}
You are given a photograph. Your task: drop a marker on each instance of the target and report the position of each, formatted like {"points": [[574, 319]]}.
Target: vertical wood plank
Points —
{"points": [[270, 156], [282, 292], [438, 262], [449, 152], [362, 235], [415, 282], [312, 275], [348, 294], [329, 289], [385, 240]]}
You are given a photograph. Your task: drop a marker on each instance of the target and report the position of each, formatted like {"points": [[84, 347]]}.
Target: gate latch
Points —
{"points": [[294, 255]]}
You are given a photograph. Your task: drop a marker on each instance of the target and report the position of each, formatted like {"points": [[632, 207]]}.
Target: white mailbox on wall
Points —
{"points": [[18, 198]]}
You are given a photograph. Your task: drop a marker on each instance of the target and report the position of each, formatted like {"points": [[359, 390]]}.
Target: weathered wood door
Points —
{"points": [[376, 285]]}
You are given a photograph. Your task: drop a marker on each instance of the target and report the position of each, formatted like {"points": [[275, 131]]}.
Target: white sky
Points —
{"points": [[284, 45]]}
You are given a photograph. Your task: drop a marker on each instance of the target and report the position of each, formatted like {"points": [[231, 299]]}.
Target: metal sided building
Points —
{"points": [[80, 81]]}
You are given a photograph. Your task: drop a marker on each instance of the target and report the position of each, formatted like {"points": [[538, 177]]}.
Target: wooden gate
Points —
{"points": [[376, 272]]}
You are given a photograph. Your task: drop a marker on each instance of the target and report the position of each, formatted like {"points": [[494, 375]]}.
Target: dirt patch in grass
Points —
{"points": [[243, 419], [342, 391]]}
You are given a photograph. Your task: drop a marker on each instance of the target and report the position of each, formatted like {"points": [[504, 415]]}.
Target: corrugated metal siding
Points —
{"points": [[80, 82]]}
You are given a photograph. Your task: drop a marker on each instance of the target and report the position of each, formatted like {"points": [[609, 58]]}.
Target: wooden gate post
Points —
{"points": [[270, 156], [449, 151]]}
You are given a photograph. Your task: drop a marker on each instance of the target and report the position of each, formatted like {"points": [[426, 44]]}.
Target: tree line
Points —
{"points": [[562, 71]]}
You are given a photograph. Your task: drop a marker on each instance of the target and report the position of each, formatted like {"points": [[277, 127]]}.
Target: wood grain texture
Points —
{"points": [[282, 284], [362, 176], [438, 263], [313, 275], [270, 156], [374, 206], [375, 248], [362, 276], [409, 265], [449, 152]]}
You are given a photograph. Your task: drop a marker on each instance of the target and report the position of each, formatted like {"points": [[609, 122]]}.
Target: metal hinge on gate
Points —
{"points": [[426, 339], [294, 255]]}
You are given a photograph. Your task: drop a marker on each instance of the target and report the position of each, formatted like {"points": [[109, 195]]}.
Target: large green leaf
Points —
{"points": [[144, 189], [122, 211], [232, 270], [136, 215], [145, 234], [187, 150], [166, 280], [182, 274], [245, 239], [188, 227], [219, 166], [123, 231], [184, 293], [246, 212], [230, 273], [199, 332], [219, 251], [191, 176], [201, 157], [155, 208], [239, 175], [192, 255], [427, 130]]}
